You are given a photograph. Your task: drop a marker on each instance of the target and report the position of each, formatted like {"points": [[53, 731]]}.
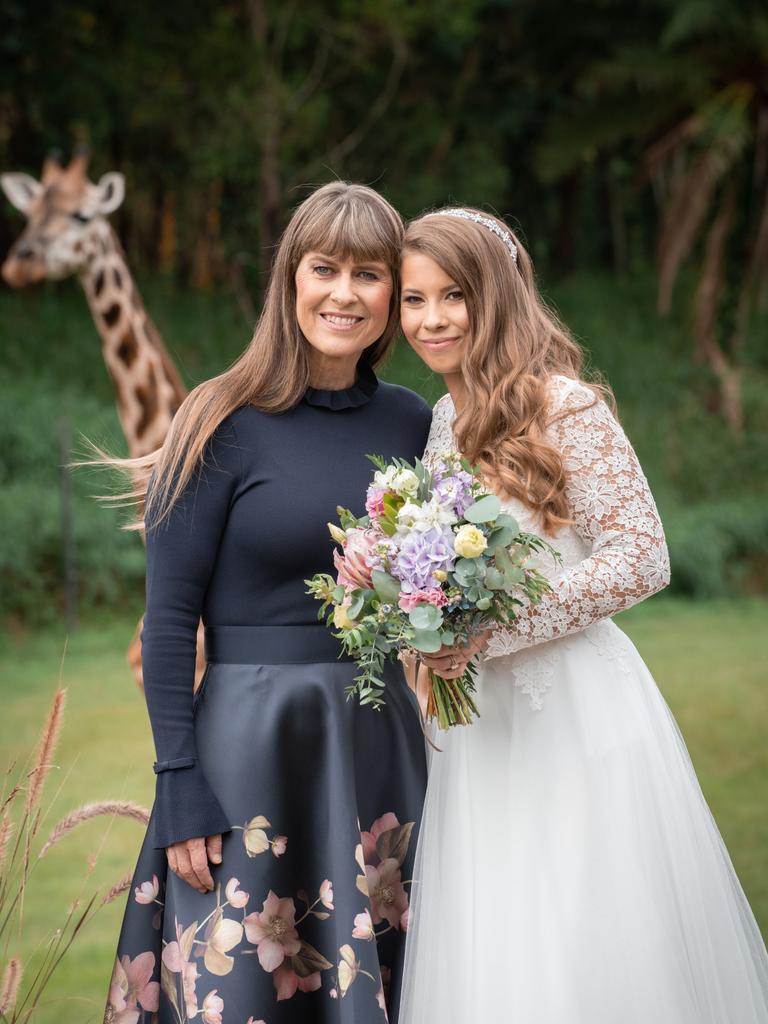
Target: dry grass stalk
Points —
{"points": [[47, 748], [12, 796], [116, 890], [6, 829], [121, 808], [10, 988]]}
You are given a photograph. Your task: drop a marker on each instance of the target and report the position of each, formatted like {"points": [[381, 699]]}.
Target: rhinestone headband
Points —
{"points": [[459, 211]]}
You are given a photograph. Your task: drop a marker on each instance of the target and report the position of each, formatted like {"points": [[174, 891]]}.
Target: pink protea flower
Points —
{"points": [[279, 845], [434, 596], [374, 501], [213, 1005], [147, 892], [326, 894], [236, 897], [273, 931], [363, 927], [383, 824], [353, 565], [389, 900]]}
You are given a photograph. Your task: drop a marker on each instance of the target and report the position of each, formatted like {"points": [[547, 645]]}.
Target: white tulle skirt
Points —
{"points": [[569, 870]]}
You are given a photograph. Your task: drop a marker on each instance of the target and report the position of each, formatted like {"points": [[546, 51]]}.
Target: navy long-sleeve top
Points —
{"points": [[249, 529]]}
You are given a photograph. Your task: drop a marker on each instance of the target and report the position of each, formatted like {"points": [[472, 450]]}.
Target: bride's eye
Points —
{"points": [[457, 296], [411, 300]]}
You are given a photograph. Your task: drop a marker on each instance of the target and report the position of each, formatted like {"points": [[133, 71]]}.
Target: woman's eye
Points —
{"points": [[411, 300], [369, 275], [456, 296], [322, 270], [81, 218]]}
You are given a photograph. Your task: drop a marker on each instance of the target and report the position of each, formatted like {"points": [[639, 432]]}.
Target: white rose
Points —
{"points": [[384, 480], [408, 514], [406, 482]]}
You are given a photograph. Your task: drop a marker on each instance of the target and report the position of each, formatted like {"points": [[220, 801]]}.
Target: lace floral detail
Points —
{"points": [[614, 553], [533, 672], [440, 438], [609, 642]]}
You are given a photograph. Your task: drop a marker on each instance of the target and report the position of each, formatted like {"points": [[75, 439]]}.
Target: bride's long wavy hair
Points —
{"points": [[341, 220], [517, 345]]}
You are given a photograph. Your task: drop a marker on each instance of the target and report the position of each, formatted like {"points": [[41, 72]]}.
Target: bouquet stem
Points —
{"points": [[450, 700]]}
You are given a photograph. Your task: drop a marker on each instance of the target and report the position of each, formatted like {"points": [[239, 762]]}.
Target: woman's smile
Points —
{"points": [[342, 321]]}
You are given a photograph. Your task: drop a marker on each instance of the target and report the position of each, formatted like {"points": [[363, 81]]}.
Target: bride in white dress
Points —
{"points": [[569, 870]]}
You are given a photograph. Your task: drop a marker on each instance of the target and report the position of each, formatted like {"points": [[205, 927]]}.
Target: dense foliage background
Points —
{"points": [[627, 142]]}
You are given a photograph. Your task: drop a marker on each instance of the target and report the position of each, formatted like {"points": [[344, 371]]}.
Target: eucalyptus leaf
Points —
{"points": [[501, 537], [483, 511], [426, 640], [467, 569], [426, 616], [386, 586], [356, 606], [513, 576], [494, 579], [505, 519], [503, 561]]}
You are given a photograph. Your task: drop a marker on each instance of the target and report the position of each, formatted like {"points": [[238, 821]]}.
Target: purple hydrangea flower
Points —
{"points": [[455, 490], [420, 555]]}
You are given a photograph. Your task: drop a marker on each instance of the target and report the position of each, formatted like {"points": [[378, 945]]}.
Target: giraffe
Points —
{"points": [[68, 233]]}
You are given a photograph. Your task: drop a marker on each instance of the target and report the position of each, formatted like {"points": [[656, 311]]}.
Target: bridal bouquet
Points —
{"points": [[434, 561]]}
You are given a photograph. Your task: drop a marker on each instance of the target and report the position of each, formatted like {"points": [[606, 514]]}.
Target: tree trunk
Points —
{"points": [[706, 307]]}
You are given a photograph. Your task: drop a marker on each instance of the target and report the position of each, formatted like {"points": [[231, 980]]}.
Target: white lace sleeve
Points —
{"points": [[613, 512]]}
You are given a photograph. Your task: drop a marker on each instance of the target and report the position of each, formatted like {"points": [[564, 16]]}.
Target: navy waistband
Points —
{"points": [[272, 645]]}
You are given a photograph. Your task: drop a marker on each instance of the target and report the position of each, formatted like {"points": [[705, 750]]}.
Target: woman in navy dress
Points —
{"points": [[285, 813]]}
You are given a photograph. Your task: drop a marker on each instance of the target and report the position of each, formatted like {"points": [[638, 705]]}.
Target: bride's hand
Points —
{"points": [[451, 662], [189, 860]]}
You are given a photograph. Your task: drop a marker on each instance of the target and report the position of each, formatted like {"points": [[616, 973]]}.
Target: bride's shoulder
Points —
{"points": [[567, 395], [443, 407]]}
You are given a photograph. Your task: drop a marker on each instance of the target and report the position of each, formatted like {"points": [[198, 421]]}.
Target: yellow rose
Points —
{"points": [[441, 575], [340, 618], [469, 542]]}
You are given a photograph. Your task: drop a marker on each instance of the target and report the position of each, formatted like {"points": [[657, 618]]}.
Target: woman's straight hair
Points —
{"points": [[340, 220]]}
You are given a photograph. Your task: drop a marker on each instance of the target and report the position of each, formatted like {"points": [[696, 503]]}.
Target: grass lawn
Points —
{"points": [[708, 659]]}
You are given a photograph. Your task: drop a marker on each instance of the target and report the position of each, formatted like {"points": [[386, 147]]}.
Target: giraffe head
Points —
{"points": [[65, 214]]}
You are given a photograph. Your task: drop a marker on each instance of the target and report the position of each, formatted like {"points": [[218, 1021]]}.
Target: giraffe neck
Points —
{"points": [[148, 387]]}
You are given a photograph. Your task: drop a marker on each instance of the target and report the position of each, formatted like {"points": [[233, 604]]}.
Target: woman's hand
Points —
{"points": [[189, 860], [451, 662]]}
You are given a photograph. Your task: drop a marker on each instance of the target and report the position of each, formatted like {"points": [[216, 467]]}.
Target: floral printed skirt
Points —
{"points": [[308, 917]]}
